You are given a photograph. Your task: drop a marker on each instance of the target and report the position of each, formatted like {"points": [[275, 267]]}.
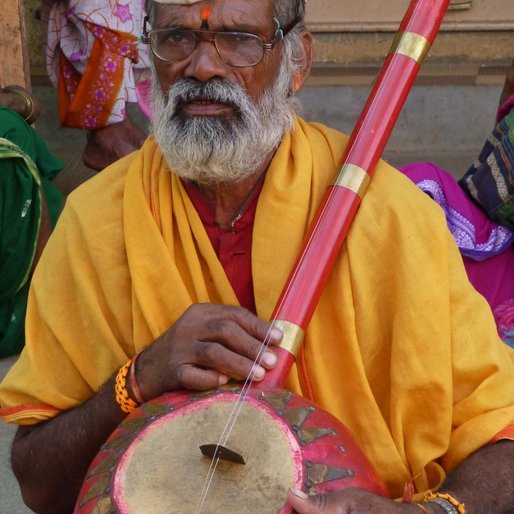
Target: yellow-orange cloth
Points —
{"points": [[401, 348]]}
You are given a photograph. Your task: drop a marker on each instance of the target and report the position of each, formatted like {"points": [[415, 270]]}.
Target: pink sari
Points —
{"points": [[487, 248]]}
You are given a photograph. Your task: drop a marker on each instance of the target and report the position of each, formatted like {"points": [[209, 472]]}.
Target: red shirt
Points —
{"points": [[233, 246]]}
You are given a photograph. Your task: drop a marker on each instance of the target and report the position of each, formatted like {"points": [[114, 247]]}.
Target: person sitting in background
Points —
{"points": [[95, 62], [29, 207], [479, 211]]}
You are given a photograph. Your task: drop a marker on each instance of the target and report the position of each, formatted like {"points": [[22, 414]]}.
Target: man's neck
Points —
{"points": [[231, 199]]}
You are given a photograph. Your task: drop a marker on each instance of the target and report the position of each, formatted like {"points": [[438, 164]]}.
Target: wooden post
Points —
{"points": [[14, 64]]}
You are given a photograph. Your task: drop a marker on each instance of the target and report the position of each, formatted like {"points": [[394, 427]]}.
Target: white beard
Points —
{"points": [[215, 149]]}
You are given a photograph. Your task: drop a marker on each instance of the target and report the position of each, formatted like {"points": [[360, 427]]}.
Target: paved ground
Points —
{"points": [[10, 499], [440, 123]]}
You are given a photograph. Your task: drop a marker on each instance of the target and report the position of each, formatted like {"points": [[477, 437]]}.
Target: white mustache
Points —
{"points": [[215, 90]]}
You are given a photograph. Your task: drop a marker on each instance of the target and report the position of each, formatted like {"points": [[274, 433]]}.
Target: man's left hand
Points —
{"points": [[348, 501]]}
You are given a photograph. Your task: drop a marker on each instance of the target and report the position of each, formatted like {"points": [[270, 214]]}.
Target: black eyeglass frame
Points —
{"points": [[280, 34]]}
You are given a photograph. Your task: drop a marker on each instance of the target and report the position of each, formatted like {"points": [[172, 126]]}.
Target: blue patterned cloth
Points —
{"points": [[490, 180]]}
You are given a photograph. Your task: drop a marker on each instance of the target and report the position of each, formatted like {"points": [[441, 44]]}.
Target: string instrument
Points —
{"points": [[168, 456]]}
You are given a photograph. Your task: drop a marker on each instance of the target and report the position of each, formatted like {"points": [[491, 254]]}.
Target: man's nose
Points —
{"points": [[205, 63]]}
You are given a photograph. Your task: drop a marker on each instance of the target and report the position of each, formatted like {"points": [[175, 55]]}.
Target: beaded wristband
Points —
{"points": [[133, 381], [449, 503], [123, 399], [420, 507]]}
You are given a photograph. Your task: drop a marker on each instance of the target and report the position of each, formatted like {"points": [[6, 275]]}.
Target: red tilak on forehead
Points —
{"points": [[205, 14]]}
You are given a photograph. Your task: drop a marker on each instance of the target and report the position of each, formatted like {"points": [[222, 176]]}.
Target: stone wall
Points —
{"points": [[14, 67], [353, 35]]}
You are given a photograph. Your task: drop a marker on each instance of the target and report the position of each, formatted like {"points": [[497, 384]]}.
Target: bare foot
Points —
{"points": [[108, 144]]}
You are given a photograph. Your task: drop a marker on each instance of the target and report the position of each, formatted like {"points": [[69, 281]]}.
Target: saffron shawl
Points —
{"points": [[130, 254]]}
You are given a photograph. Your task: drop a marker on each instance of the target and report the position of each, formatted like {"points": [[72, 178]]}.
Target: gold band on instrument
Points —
{"points": [[293, 336], [411, 45], [354, 178]]}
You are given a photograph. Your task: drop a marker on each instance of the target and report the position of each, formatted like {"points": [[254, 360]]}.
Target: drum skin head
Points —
{"points": [[153, 464]]}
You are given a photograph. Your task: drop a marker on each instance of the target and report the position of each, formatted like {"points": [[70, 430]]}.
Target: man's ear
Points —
{"points": [[305, 62]]}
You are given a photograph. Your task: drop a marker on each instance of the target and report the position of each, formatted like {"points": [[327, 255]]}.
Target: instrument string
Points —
{"points": [[233, 417]]}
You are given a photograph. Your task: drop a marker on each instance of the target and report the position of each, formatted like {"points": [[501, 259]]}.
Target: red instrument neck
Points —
{"points": [[341, 201]]}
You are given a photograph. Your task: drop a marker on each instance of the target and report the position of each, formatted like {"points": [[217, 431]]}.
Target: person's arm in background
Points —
{"points": [[21, 101]]}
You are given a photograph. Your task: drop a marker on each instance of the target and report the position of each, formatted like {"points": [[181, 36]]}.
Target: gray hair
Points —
{"points": [[288, 11], [150, 11]]}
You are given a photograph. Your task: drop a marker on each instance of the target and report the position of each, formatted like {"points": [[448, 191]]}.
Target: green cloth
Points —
{"points": [[26, 168]]}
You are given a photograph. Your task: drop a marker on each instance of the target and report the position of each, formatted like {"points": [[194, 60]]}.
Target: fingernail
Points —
{"points": [[269, 358], [298, 493], [258, 373], [222, 380], [276, 334]]}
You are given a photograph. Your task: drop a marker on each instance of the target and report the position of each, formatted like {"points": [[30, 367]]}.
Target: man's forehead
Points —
{"points": [[178, 2], [241, 14]]}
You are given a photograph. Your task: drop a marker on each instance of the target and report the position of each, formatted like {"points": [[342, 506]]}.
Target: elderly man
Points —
{"points": [[177, 253]]}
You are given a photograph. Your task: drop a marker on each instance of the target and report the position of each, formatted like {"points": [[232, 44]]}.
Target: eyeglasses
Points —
{"points": [[239, 49]]}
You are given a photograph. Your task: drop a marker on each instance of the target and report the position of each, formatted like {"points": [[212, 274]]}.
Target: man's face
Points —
{"points": [[254, 16], [215, 123]]}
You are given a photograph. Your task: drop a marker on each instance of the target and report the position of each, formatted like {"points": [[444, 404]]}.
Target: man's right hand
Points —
{"points": [[51, 459], [207, 344]]}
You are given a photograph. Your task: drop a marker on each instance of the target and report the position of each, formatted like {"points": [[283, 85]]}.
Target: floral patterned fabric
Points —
{"points": [[94, 59]]}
